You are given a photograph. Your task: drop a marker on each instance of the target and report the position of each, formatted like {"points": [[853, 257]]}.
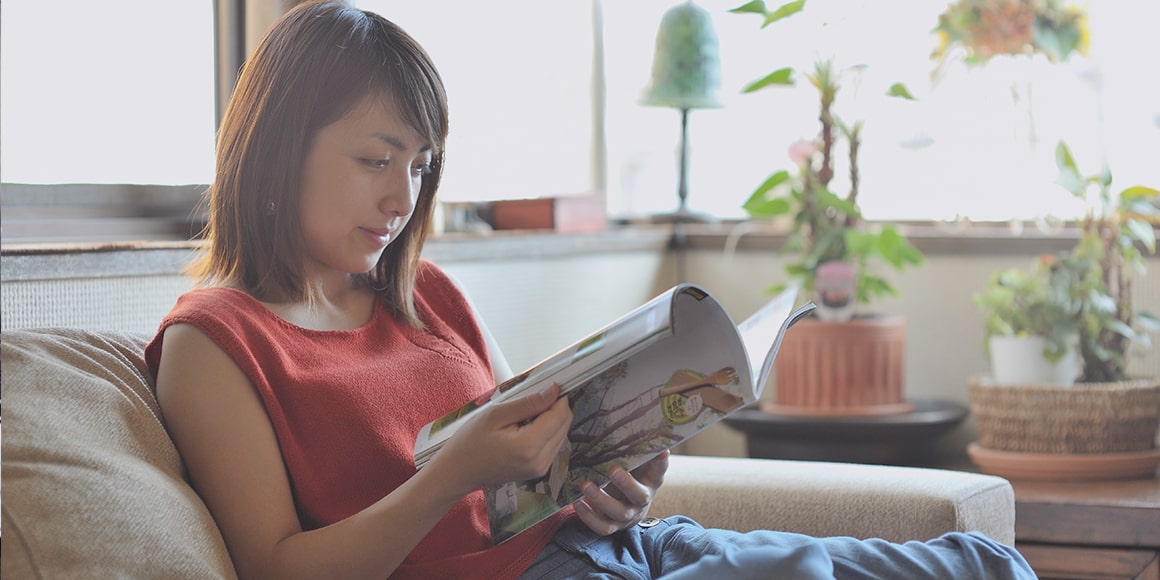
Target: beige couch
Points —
{"points": [[96, 489]]}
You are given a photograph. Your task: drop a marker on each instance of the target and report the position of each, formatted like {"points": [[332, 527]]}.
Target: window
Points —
{"points": [[107, 92], [545, 97], [978, 144], [519, 78]]}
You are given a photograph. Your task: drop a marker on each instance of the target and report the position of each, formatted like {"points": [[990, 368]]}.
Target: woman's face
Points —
{"points": [[360, 183]]}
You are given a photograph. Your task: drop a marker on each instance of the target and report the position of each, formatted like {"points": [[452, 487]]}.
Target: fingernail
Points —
{"points": [[618, 475]]}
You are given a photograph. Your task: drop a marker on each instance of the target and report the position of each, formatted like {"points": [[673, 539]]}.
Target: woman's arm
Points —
{"points": [[229, 447], [624, 502]]}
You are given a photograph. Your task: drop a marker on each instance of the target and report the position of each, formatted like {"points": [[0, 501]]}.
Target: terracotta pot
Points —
{"points": [[842, 368]]}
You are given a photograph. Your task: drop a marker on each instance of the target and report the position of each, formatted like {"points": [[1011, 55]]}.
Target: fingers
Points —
{"points": [[527, 407], [622, 503], [510, 441], [652, 474]]}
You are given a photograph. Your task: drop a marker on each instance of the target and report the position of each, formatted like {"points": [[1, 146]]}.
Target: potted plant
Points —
{"points": [[1032, 321], [824, 367], [1105, 425], [1115, 233]]}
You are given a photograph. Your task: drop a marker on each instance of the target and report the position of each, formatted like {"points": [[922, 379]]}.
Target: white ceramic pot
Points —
{"points": [[1018, 360]]}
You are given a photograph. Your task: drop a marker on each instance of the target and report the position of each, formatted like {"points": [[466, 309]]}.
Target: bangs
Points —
{"points": [[376, 57], [400, 72]]}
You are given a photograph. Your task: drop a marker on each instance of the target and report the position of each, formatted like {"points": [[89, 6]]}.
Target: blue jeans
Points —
{"points": [[678, 548]]}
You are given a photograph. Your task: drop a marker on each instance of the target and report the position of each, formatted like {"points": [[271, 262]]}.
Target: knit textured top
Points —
{"points": [[346, 406]]}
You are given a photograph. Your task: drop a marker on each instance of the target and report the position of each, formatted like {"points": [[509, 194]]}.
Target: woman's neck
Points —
{"points": [[336, 305]]}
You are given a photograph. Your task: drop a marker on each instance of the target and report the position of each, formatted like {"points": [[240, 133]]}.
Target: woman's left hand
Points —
{"points": [[625, 500]]}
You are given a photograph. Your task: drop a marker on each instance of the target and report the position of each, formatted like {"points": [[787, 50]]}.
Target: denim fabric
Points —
{"points": [[678, 548]]}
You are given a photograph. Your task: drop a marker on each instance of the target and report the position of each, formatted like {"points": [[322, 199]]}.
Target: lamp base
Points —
{"points": [[682, 216]]}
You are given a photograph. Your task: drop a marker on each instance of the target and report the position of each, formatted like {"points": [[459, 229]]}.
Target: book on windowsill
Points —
{"points": [[642, 384]]}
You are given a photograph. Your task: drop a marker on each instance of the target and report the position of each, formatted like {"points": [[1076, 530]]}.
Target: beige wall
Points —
{"points": [[535, 307]]}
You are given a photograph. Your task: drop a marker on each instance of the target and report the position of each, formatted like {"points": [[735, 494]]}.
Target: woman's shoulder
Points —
{"points": [[220, 299], [222, 314], [433, 283]]}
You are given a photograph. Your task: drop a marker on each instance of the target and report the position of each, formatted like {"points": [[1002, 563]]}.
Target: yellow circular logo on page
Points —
{"points": [[679, 409]]}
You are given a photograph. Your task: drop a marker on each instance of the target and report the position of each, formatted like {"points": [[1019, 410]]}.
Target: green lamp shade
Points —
{"points": [[686, 71]]}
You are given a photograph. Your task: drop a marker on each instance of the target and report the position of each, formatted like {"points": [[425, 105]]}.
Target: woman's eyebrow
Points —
{"points": [[397, 143]]}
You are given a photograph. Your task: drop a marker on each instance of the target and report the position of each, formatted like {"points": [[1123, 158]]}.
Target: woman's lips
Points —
{"points": [[380, 236]]}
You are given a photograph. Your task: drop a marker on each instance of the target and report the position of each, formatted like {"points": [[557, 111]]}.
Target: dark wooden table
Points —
{"points": [[1105, 529], [897, 439]]}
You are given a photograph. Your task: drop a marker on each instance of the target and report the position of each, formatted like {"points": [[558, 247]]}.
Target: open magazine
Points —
{"points": [[642, 384]]}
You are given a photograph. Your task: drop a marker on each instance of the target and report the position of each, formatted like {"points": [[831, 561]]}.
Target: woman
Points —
{"points": [[295, 378]]}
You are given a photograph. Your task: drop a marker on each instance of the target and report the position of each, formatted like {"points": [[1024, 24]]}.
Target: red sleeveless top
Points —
{"points": [[347, 405]]}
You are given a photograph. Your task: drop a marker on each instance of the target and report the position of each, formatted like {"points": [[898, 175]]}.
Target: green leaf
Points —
{"points": [[1141, 207], [768, 208], [1142, 231], [895, 249], [781, 76], [874, 286], [1102, 303], [1118, 327], [788, 9], [754, 7], [1138, 192], [1148, 322], [1105, 176], [774, 180], [776, 288], [900, 90], [828, 199], [1069, 176]]}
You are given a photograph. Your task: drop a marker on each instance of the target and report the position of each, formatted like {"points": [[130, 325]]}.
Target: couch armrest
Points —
{"points": [[836, 499]]}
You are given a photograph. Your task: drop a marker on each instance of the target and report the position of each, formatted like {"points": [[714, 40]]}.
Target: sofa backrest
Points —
{"points": [[93, 486]]}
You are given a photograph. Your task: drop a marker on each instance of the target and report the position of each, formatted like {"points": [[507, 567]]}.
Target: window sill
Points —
{"points": [[38, 260]]}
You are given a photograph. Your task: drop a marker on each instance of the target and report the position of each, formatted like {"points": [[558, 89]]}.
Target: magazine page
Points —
{"points": [[763, 330], [635, 409], [569, 367]]}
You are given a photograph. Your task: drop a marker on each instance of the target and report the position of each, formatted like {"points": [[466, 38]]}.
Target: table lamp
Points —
{"points": [[686, 75]]}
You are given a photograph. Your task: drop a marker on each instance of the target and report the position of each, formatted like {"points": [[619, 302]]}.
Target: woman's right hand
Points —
{"points": [[510, 441]]}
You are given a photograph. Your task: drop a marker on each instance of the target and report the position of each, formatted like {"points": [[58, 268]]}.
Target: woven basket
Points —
{"points": [[1083, 418]]}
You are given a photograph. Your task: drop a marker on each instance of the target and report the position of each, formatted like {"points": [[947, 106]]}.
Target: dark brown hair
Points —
{"points": [[310, 69]]}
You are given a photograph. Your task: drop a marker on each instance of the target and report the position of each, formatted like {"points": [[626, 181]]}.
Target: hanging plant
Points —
{"points": [[987, 28]]}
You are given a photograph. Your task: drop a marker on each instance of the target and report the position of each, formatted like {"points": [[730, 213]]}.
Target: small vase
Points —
{"points": [[1019, 360]]}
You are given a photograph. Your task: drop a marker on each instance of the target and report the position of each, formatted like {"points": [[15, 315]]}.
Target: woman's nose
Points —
{"points": [[400, 195]]}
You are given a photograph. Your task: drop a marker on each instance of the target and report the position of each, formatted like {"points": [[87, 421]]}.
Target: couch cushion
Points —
{"points": [[93, 485], [827, 499]]}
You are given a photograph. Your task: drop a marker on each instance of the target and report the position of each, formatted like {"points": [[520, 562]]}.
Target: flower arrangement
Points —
{"points": [[986, 28], [828, 231]]}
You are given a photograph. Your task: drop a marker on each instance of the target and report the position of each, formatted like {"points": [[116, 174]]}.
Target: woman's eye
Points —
{"points": [[378, 163], [421, 170]]}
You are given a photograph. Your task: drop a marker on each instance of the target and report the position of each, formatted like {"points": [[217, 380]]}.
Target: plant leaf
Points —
{"points": [[1118, 327], [1148, 322], [769, 208], [781, 77], [1069, 176], [1138, 192], [828, 199], [895, 249], [900, 90], [787, 9], [1142, 231], [774, 180], [754, 7]]}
